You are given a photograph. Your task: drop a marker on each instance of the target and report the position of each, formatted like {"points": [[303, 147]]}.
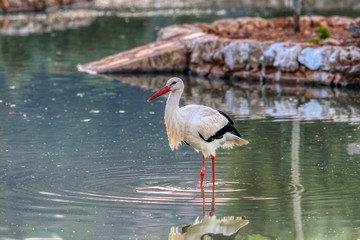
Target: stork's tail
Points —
{"points": [[240, 141]]}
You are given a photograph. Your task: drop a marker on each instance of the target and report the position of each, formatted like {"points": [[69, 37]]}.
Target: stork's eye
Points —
{"points": [[173, 83]]}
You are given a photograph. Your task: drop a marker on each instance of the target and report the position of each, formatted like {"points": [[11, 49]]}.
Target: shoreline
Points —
{"points": [[218, 50]]}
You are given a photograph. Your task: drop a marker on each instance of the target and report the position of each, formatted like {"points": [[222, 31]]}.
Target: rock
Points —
{"points": [[354, 71], [326, 65], [176, 31], [354, 30], [337, 21], [242, 55], [243, 21], [305, 22], [225, 27], [201, 48], [218, 56], [208, 43], [216, 72], [355, 55], [311, 58], [249, 28], [344, 57], [326, 78], [255, 52], [198, 48], [260, 22], [330, 41], [309, 74], [268, 58], [286, 59], [230, 55], [317, 21]]}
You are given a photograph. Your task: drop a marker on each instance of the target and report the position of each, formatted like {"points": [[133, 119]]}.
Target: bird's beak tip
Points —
{"points": [[159, 93]]}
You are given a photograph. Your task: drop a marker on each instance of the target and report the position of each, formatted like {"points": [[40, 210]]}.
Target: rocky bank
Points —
{"points": [[247, 48]]}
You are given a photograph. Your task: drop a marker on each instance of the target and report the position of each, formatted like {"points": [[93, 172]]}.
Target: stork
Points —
{"points": [[203, 128]]}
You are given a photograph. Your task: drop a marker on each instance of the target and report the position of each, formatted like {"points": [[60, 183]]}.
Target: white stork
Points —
{"points": [[201, 127]]}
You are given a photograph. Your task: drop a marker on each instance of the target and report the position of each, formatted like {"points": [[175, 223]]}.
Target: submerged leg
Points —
{"points": [[203, 199], [202, 173], [213, 168], [213, 202]]}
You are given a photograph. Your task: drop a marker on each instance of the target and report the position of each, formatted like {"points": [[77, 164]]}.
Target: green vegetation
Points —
{"points": [[322, 32], [314, 40]]}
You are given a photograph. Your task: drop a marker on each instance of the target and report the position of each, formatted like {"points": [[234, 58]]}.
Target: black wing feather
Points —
{"points": [[229, 127]]}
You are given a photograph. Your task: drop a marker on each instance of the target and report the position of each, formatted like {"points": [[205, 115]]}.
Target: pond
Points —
{"points": [[86, 157]]}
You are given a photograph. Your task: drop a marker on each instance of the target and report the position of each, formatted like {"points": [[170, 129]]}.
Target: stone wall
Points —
{"points": [[212, 51], [215, 56], [24, 24], [10, 6]]}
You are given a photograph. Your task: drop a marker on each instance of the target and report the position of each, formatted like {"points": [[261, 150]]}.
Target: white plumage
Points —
{"points": [[203, 128]]}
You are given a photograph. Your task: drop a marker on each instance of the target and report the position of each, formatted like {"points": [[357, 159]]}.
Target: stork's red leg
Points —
{"points": [[213, 168], [202, 173]]}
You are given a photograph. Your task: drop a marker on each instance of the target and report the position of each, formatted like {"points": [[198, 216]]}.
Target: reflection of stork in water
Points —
{"points": [[210, 227], [212, 201], [204, 128]]}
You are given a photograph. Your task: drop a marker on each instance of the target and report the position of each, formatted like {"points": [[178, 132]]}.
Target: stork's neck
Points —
{"points": [[173, 119], [172, 103]]}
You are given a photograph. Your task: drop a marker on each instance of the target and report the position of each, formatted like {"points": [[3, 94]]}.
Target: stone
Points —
{"points": [[309, 74], [344, 57], [305, 22], [243, 21], [216, 72], [218, 56], [202, 48], [196, 47], [268, 58], [208, 47], [354, 71], [326, 53], [286, 59], [249, 28], [176, 31], [317, 21], [355, 55], [337, 21], [255, 52], [354, 30], [230, 55], [311, 58], [330, 41], [334, 61], [225, 27], [326, 78], [259, 22]]}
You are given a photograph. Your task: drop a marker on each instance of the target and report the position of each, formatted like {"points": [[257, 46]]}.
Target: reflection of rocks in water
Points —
{"points": [[256, 101], [24, 24], [210, 228], [136, 4]]}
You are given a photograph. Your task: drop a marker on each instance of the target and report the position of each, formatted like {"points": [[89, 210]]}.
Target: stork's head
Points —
{"points": [[173, 84]]}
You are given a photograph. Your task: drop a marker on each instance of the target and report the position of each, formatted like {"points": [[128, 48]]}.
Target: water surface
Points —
{"points": [[86, 157]]}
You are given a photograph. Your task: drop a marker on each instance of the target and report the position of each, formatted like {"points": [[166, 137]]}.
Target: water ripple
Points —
{"points": [[34, 190]]}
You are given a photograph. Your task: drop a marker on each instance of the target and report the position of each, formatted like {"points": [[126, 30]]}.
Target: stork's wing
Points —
{"points": [[209, 123]]}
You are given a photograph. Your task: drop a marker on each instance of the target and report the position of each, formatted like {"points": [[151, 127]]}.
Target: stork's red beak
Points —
{"points": [[160, 92]]}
